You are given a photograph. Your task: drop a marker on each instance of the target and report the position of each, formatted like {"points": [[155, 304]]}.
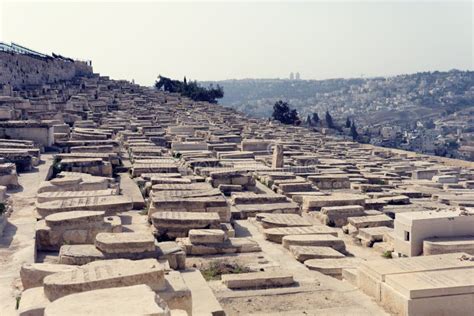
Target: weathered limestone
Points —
{"points": [[277, 160], [83, 254], [282, 220], [33, 274], [8, 175], [332, 267], [337, 215], [178, 224], [356, 223], [108, 204], [105, 274], [315, 203], [125, 242], [33, 302], [206, 201], [71, 181], [251, 210], [440, 245], [331, 181], [229, 245], [128, 300], [232, 177], [277, 234], [74, 227], [255, 280], [370, 235], [372, 274], [64, 195], [303, 253], [317, 240], [204, 236]]}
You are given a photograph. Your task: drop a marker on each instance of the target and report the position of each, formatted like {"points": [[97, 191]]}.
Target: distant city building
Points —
{"points": [[297, 76], [292, 76]]}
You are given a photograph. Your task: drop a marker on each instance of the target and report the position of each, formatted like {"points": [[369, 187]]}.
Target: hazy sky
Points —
{"points": [[211, 40]]}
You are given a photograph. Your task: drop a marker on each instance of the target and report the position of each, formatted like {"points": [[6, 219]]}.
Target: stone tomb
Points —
{"points": [[255, 280], [276, 234], [178, 224], [74, 227], [215, 241], [64, 195], [315, 203], [205, 201], [281, 220], [303, 253], [137, 300], [108, 204], [135, 249], [317, 240], [332, 267], [371, 274], [445, 292], [105, 274], [337, 215]]}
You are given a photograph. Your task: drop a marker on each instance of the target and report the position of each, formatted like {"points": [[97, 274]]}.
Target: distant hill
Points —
{"points": [[369, 99]]}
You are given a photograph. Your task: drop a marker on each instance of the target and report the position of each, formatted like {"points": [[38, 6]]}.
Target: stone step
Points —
{"points": [[254, 280]]}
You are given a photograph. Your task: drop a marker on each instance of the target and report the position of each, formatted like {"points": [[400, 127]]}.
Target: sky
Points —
{"points": [[235, 40]]}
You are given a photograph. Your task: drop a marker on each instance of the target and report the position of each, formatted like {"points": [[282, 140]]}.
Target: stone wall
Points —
{"points": [[18, 70]]}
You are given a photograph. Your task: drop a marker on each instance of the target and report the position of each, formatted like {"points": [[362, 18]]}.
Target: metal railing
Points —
{"points": [[16, 48]]}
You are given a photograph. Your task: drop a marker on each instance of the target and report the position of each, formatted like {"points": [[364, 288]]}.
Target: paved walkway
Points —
{"points": [[17, 243]]}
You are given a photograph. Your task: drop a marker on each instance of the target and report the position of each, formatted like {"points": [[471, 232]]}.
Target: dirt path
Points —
{"points": [[318, 294], [17, 242]]}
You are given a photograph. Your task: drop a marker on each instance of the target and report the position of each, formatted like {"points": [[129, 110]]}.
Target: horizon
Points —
{"points": [[208, 41]]}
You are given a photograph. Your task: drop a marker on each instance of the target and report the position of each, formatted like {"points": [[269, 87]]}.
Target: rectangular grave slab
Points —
{"points": [[64, 195], [254, 280], [132, 242], [178, 224], [282, 220], [127, 300], [109, 204], [428, 293], [315, 203], [277, 234], [105, 274], [314, 240], [373, 273], [206, 236], [303, 253]]}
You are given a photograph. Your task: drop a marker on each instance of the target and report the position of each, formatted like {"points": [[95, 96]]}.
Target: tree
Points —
{"points": [[354, 133], [348, 122], [283, 113], [308, 120], [329, 120], [315, 118], [190, 89]]}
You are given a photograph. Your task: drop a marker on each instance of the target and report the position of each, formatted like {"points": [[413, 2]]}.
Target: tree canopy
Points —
{"points": [[283, 113], [190, 89], [329, 120]]}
